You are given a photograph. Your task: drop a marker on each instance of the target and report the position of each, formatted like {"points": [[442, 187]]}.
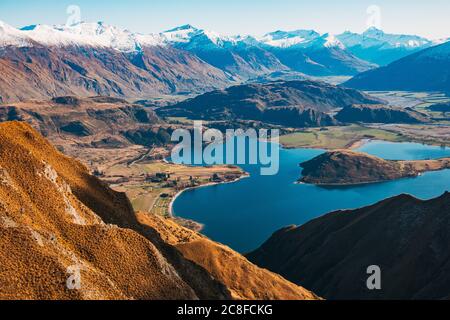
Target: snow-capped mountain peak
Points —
{"points": [[192, 36], [332, 42], [10, 36], [301, 39], [287, 39], [395, 40], [374, 32], [96, 34], [181, 34]]}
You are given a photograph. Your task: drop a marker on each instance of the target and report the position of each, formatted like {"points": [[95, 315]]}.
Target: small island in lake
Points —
{"points": [[344, 167]]}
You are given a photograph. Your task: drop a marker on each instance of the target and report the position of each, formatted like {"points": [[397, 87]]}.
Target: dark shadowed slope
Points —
{"points": [[407, 238], [427, 70]]}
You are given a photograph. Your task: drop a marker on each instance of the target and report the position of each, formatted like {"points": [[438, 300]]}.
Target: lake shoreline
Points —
{"points": [[197, 226], [351, 146], [278, 201]]}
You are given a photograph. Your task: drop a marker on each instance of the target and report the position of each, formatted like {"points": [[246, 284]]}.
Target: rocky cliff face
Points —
{"points": [[406, 237], [65, 235]]}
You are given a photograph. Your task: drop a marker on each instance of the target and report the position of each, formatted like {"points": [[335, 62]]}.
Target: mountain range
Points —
{"points": [[98, 59], [381, 48]]}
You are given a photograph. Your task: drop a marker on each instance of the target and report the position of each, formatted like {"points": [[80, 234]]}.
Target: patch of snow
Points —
{"points": [[285, 43]]}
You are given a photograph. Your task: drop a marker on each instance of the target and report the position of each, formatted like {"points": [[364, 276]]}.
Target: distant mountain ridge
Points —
{"points": [[41, 72], [359, 52], [98, 59], [381, 48], [291, 103], [426, 70], [380, 114]]}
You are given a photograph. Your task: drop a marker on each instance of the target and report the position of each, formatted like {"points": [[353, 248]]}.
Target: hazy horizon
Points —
{"points": [[428, 19]]}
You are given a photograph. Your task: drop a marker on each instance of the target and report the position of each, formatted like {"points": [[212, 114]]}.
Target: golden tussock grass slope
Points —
{"points": [[55, 219], [245, 280], [54, 216]]}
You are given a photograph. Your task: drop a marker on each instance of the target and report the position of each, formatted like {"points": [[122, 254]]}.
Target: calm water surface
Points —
{"points": [[244, 214]]}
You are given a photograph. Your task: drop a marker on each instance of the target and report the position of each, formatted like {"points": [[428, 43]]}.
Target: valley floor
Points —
{"points": [[354, 136]]}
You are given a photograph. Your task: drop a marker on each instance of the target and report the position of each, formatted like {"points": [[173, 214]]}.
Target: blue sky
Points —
{"points": [[427, 18]]}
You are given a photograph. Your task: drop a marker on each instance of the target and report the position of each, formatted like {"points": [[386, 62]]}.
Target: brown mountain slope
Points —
{"points": [[93, 122], [40, 72], [407, 238], [56, 218], [244, 279], [345, 167]]}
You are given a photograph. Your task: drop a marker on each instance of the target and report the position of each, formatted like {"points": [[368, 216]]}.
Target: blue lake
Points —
{"points": [[244, 214]]}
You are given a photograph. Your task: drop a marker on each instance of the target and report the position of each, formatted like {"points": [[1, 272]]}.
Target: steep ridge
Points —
{"points": [[281, 102], [345, 167], [406, 237], [244, 279], [55, 219]]}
